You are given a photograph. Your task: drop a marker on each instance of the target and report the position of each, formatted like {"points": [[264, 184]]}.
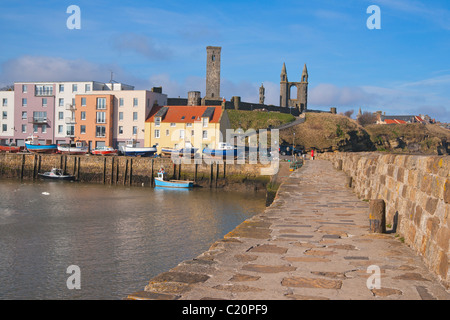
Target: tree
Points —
{"points": [[367, 118], [349, 113]]}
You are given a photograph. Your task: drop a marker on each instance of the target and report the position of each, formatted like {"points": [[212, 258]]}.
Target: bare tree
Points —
{"points": [[367, 118]]}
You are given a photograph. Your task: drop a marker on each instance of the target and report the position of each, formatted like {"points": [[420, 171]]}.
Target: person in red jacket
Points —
{"points": [[312, 154]]}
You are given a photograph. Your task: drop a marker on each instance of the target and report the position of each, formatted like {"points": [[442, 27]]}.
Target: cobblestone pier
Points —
{"points": [[312, 243]]}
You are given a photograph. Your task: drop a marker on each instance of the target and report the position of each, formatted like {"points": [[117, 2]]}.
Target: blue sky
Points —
{"points": [[404, 68]]}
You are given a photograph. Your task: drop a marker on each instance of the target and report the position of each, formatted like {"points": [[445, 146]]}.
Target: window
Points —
{"points": [[188, 125], [205, 134], [35, 128], [192, 133], [181, 134], [135, 130], [135, 102], [205, 122], [135, 116], [173, 124], [5, 102], [157, 121], [120, 116], [83, 102], [24, 115], [44, 128], [120, 130], [24, 102], [83, 129], [100, 131], [24, 88], [73, 102], [24, 128], [167, 132], [4, 127], [70, 131], [101, 103], [83, 115], [87, 87], [60, 129], [156, 133], [4, 115], [61, 102], [213, 58], [74, 88], [120, 102], [101, 117], [60, 115], [40, 116], [61, 88], [44, 102]]}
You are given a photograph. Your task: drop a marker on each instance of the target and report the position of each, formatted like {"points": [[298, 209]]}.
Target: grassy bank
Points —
{"points": [[257, 119]]}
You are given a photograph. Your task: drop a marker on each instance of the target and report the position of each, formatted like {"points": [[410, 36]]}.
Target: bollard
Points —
{"points": [[339, 165], [377, 216], [348, 182]]}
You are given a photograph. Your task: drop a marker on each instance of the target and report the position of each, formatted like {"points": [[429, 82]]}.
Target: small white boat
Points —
{"points": [[131, 149], [56, 174], [224, 150], [79, 147], [187, 151]]}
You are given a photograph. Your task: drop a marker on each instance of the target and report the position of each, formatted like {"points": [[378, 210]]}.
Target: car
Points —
{"points": [[287, 150]]}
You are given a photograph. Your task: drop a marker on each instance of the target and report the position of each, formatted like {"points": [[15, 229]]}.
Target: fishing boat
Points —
{"points": [[79, 147], [104, 151], [224, 150], [187, 151], [131, 149], [10, 148], [160, 182], [32, 144], [56, 174]]}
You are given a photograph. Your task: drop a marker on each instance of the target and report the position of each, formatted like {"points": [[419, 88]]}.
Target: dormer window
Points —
{"points": [[157, 121], [205, 122]]}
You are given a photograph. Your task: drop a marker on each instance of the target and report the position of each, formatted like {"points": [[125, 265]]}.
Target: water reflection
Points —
{"points": [[120, 237]]}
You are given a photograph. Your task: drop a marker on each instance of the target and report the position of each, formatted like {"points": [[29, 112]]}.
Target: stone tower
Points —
{"points": [[284, 87], [213, 72], [262, 92], [302, 90], [301, 103]]}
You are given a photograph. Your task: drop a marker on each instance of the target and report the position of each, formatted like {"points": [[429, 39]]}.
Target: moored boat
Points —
{"points": [[131, 149], [56, 174], [104, 151], [79, 147], [10, 148], [223, 150], [187, 151], [160, 182], [32, 144]]}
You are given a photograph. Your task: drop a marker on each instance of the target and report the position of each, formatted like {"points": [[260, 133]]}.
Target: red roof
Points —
{"points": [[395, 121], [185, 114]]}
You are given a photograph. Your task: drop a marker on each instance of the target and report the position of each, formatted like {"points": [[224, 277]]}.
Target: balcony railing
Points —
{"points": [[70, 133], [70, 120], [70, 107], [43, 93], [38, 120]]}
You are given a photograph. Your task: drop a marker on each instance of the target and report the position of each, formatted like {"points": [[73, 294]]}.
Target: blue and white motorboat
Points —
{"points": [[131, 149], [56, 174], [224, 150], [160, 182], [33, 145]]}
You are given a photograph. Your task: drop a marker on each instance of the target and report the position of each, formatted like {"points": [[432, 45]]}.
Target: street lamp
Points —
{"points": [[293, 148]]}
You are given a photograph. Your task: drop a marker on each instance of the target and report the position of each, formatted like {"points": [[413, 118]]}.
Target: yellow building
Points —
{"points": [[173, 126]]}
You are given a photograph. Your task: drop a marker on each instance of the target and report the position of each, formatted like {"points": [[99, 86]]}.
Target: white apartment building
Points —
{"points": [[6, 117]]}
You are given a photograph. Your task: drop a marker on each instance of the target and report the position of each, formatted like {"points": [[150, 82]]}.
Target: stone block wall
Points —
{"points": [[416, 190]]}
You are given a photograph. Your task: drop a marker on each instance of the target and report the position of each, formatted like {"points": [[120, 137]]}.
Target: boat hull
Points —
{"points": [[180, 152], [54, 177], [50, 148], [221, 152], [173, 183], [139, 152], [65, 150], [104, 153]]}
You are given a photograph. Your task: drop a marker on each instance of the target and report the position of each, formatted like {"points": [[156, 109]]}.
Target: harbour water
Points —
{"points": [[119, 237]]}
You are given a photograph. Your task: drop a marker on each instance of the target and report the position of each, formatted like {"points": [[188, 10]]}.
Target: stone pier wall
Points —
{"points": [[416, 190], [122, 170]]}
